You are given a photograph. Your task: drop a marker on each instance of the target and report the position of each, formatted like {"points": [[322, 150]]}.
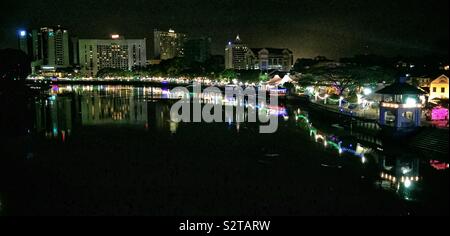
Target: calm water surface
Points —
{"points": [[101, 150]]}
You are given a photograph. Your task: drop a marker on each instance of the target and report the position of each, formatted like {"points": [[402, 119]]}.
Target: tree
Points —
{"points": [[14, 64], [290, 87], [249, 76], [263, 77], [347, 76], [228, 74]]}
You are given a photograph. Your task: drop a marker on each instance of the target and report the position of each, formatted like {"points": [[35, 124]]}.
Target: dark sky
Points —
{"points": [[334, 28]]}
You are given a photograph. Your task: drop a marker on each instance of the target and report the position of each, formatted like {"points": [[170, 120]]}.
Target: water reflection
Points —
{"points": [[67, 106], [1, 205], [148, 108], [399, 173]]}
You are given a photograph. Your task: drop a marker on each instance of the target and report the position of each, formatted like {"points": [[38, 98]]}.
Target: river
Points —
{"points": [[113, 150]]}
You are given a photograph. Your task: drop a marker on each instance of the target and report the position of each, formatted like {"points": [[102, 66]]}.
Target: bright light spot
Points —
{"points": [[411, 102], [22, 33], [363, 159], [407, 183], [115, 36], [367, 91]]}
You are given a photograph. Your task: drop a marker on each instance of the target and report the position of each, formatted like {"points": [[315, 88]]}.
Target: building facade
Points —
{"points": [[198, 49], [47, 47], [235, 53], [24, 40], [54, 43], [439, 88], [281, 59], [117, 53], [168, 44]]}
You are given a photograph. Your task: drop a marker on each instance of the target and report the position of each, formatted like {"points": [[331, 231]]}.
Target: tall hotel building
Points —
{"points": [[117, 52], [47, 46], [168, 44], [235, 55]]}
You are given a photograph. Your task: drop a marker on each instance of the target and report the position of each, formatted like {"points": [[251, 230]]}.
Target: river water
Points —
{"points": [[102, 150]]}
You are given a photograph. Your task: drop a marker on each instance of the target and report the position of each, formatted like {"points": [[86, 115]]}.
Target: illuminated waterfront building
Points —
{"points": [[281, 59], [47, 47], [400, 106], [439, 88], [235, 55], [168, 44], [117, 53]]}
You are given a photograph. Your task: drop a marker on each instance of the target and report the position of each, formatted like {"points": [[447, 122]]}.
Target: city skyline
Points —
{"points": [[410, 28]]}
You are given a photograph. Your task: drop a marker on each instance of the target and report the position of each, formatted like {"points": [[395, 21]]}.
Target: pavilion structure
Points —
{"points": [[400, 106]]}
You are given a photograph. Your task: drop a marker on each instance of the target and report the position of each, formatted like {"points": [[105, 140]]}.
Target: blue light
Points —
{"points": [[22, 33]]}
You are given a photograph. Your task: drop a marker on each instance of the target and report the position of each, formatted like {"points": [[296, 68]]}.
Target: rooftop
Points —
{"points": [[401, 88]]}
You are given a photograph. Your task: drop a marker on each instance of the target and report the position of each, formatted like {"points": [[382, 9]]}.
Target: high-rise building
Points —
{"points": [[24, 41], [74, 47], [47, 47], [269, 59], [56, 46], [198, 49], [235, 54], [117, 52], [168, 44]]}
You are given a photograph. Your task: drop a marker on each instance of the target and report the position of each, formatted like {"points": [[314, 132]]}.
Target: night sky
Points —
{"points": [[333, 28]]}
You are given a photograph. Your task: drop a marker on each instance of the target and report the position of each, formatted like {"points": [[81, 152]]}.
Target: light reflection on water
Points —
{"points": [[1, 205], [69, 106]]}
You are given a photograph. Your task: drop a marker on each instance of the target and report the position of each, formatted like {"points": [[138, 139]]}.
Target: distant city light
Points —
{"points": [[367, 91], [310, 89], [411, 102], [115, 36], [407, 183], [22, 33], [171, 31]]}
